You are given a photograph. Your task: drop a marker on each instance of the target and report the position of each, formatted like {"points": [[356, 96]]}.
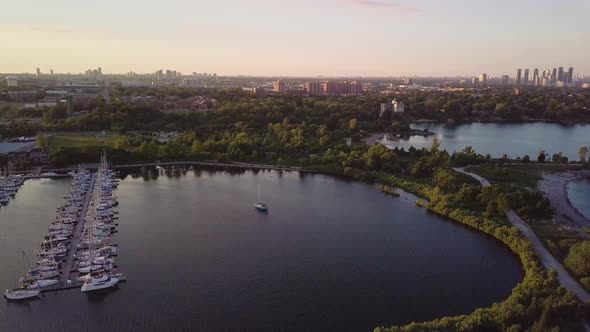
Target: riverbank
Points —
{"points": [[555, 188]]}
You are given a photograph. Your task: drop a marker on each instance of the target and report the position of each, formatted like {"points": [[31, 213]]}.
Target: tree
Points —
{"points": [[541, 156], [353, 124], [436, 143], [43, 142], [445, 179], [197, 146], [526, 159], [578, 259], [583, 153]]}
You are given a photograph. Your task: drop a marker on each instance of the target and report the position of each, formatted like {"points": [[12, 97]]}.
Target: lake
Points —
{"points": [[516, 140], [579, 196], [330, 255]]}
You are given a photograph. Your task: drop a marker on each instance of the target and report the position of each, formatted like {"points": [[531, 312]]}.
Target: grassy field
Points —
{"points": [[66, 141], [510, 175]]}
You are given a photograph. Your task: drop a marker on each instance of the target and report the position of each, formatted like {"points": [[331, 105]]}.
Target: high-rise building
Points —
{"points": [[560, 74], [51, 72], [38, 72], [170, 74], [525, 80], [11, 81], [279, 87], [554, 76], [475, 81], [570, 75], [483, 79], [536, 78], [99, 71], [518, 76], [505, 79], [313, 87], [356, 87]]}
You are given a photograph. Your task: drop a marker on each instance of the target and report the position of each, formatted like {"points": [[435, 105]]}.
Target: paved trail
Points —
{"points": [[547, 259]]}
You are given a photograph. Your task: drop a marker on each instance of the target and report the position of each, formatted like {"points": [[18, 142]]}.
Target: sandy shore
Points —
{"points": [[555, 187]]}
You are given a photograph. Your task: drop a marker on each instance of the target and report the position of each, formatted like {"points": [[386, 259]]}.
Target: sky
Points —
{"points": [[295, 37]]}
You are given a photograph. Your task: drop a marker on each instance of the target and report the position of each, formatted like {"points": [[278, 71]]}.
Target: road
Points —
{"points": [[545, 256]]}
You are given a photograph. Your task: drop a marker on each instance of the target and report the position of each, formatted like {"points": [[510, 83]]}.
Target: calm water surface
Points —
{"points": [[516, 140], [330, 255], [579, 195]]}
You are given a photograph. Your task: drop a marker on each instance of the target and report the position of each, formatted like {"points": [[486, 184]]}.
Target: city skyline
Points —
{"points": [[370, 38]]}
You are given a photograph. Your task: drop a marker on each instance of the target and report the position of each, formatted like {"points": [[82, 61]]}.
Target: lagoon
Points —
{"points": [[331, 254]]}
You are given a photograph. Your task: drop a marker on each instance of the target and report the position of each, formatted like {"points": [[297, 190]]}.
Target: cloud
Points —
{"points": [[386, 4]]}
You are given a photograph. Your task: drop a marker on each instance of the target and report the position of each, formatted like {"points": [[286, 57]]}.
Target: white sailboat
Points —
{"points": [[260, 206], [21, 294]]}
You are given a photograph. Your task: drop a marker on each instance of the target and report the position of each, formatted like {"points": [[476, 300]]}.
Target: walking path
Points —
{"points": [[545, 256]]}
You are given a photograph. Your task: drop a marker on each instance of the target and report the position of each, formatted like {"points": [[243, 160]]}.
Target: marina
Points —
{"points": [[9, 184], [77, 252]]}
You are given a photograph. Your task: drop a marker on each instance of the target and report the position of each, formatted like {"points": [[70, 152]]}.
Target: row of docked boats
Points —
{"points": [[78, 241], [95, 258], [56, 245], [9, 185]]}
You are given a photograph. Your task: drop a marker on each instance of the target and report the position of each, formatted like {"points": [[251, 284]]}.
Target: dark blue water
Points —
{"points": [[330, 255], [515, 140], [579, 196]]}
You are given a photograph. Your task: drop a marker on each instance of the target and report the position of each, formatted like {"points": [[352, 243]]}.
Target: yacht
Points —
{"points": [[21, 294], [94, 283], [42, 284]]}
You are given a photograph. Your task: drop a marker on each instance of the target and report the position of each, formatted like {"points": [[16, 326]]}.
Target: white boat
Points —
{"points": [[42, 284], [21, 294], [97, 283], [260, 206]]}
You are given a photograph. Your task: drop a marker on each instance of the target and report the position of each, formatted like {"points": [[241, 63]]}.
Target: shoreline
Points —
{"points": [[567, 196], [555, 187]]}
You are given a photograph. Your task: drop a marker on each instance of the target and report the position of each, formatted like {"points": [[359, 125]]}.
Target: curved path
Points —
{"points": [[545, 256]]}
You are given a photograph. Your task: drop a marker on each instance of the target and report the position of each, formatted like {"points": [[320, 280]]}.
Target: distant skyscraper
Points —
{"points": [[518, 76], [38, 72], [560, 74], [99, 71], [279, 87], [51, 71], [536, 78], [554, 75], [475, 81], [525, 81], [313, 87], [483, 79], [570, 75], [356, 87]]}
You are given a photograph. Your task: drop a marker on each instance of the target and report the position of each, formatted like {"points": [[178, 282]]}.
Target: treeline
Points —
{"points": [[538, 303], [333, 111]]}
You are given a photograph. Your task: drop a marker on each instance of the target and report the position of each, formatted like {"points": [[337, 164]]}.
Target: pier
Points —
{"points": [[91, 201], [69, 260]]}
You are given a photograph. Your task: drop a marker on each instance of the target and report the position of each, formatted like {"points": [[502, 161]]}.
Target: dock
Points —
{"points": [[69, 260]]}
